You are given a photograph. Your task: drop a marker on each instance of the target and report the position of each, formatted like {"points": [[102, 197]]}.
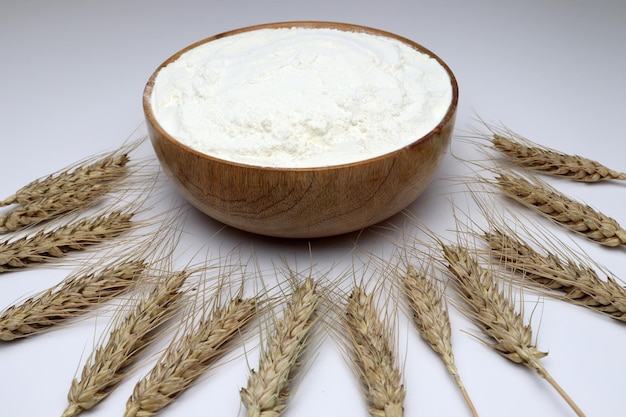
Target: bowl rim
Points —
{"points": [[450, 112]]}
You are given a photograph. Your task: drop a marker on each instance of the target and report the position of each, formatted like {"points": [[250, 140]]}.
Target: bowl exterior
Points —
{"points": [[302, 202]]}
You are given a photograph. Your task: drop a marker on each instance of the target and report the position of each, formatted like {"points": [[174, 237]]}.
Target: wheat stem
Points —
{"points": [[466, 396], [540, 369]]}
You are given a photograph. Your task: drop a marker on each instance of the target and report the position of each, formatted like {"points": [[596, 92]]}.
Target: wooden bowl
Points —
{"points": [[303, 202]]}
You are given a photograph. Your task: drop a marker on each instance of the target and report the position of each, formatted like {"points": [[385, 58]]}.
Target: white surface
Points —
{"points": [[72, 77]]}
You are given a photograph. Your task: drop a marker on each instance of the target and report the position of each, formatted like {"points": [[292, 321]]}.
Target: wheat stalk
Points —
{"points": [[268, 388], [107, 168], [494, 313], [110, 363], [50, 207], [578, 283], [373, 356], [530, 155], [45, 246], [189, 356], [76, 295], [547, 201], [432, 321]]}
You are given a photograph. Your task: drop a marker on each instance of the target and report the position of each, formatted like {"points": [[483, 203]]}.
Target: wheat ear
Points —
{"points": [[547, 201], [111, 362], [109, 167], [578, 283], [530, 155], [76, 295], [494, 313], [50, 207], [189, 356], [268, 388], [45, 246], [432, 321], [373, 356]]}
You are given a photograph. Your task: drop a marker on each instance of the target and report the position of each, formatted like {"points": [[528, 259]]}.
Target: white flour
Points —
{"points": [[300, 97]]}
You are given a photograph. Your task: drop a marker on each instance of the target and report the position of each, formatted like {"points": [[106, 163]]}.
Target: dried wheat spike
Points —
{"points": [[50, 207], [45, 246], [268, 388], [495, 315], [490, 308], [373, 356], [548, 161], [76, 295], [431, 319], [110, 363], [188, 357], [577, 283], [547, 201], [110, 167]]}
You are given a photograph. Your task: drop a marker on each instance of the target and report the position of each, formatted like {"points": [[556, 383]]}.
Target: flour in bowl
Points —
{"points": [[301, 97]]}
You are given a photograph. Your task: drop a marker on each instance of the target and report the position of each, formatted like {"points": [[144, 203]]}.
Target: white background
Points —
{"points": [[71, 80]]}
